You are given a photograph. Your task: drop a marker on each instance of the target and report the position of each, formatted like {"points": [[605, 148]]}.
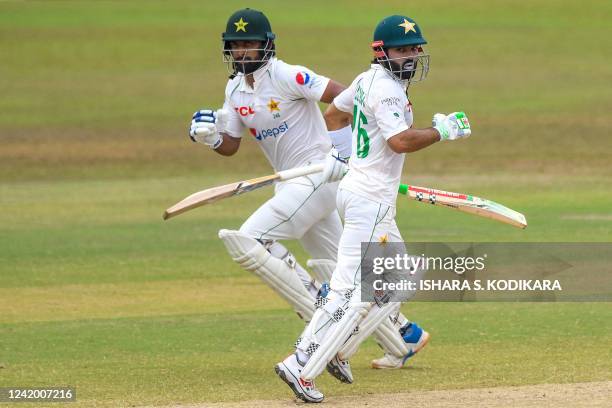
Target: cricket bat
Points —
{"points": [[466, 203], [210, 195]]}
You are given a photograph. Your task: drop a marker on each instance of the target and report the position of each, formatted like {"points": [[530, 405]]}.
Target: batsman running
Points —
{"points": [[381, 114], [277, 103]]}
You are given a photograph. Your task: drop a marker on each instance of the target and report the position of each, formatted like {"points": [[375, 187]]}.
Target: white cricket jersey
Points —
{"points": [[280, 112], [380, 110]]}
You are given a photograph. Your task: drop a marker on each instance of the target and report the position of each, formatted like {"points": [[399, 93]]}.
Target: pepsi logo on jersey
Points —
{"points": [[302, 78], [272, 132], [245, 110]]}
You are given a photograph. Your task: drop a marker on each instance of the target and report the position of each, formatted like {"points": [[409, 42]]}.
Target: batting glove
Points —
{"points": [[453, 126], [335, 167], [205, 125]]}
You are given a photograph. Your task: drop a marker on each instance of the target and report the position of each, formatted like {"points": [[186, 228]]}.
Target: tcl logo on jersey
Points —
{"points": [[274, 132], [302, 78], [245, 110]]}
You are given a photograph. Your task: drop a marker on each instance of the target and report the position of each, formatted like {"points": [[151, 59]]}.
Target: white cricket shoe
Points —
{"points": [[289, 371], [341, 369], [415, 338]]}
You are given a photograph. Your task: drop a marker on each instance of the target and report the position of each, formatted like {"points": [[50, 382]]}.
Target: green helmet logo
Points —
{"points": [[241, 25], [408, 26]]}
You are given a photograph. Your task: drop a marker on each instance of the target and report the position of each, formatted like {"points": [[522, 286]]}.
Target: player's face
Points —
{"points": [[246, 54], [245, 50], [403, 60]]}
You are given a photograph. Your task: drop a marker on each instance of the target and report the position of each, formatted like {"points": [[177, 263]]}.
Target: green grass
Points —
{"points": [[186, 358], [97, 292]]}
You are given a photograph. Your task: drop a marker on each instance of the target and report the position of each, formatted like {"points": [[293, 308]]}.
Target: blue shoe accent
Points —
{"points": [[411, 333], [407, 356], [324, 290]]}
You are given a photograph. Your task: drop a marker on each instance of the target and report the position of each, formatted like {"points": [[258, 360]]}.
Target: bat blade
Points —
{"points": [[213, 194], [466, 203], [210, 195]]}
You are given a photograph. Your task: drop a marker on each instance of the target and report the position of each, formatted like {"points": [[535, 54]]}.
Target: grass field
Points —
{"points": [[98, 293]]}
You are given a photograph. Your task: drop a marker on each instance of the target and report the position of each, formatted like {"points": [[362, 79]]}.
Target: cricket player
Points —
{"points": [[277, 103], [382, 118]]}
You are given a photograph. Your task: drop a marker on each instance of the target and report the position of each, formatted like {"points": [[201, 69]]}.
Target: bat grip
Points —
{"points": [[300, 171], [403, 189]]}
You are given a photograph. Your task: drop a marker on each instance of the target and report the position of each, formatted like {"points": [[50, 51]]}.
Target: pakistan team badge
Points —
{"points": [[408, 26], [274, 109], [241, 25]]}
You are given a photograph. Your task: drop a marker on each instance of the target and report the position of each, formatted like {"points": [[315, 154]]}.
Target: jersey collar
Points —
{"points": [[258, 75], [403, 82]]}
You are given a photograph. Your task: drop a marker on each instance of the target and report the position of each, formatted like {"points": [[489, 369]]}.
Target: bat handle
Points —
{"points": [[403, 189], [300, 171]]}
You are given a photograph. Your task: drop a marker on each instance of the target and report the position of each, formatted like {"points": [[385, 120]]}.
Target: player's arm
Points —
{"points": [[229, 145], [411, 140], [336, 119], [332, 90], [445, 127]]}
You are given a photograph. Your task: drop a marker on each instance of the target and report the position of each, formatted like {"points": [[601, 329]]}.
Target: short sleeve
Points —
{"points": [[388, 107], [300, 82], [344, 100], [233, 125]]}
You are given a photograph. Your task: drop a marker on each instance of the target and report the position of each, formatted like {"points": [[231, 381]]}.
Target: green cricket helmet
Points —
{"points": [[400, 31], [247, 25]]}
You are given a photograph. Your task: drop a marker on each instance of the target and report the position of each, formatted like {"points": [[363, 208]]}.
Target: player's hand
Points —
{"points": [[335, 167], [206, 125], [453, 126]]}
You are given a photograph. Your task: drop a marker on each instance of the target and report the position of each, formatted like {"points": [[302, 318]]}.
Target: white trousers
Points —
{"points": [[364, 221], [302, 209]]}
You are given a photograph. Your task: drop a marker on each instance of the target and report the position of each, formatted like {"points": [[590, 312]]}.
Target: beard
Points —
{"points": [[248, 65], [404, 71]]}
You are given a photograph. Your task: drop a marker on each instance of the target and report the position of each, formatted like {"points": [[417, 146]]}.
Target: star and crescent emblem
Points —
{"points": [[241, 25], [408, 26], [273, 105]]}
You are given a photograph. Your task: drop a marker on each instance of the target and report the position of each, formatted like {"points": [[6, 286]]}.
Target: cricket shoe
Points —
{"points": [[289, 371], [341, 369], [415, 338]]}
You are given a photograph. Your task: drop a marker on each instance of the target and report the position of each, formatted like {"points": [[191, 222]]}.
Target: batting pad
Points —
{"points": [[341, 327], [322, 269], [276, 273], [387, 334], [382, 320]]}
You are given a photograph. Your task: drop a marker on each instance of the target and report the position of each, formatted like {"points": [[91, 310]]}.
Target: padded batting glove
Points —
{"points": [[205, 125], [335, 167], [453, 126]]}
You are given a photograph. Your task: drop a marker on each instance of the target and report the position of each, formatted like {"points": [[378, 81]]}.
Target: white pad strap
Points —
{"points": [[329, 310], [276, 273], [376, 321], [336, 335], [387, 333], [279, 251], [322, 269]]}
